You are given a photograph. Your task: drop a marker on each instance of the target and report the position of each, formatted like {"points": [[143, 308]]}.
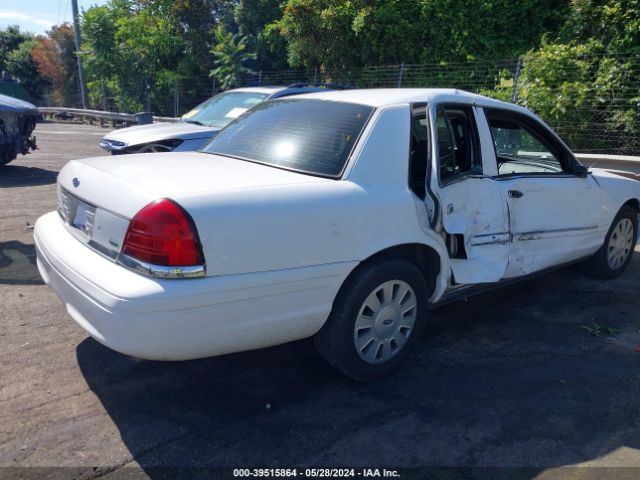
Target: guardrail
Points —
{"points": [[626, 165], [115, 118]]}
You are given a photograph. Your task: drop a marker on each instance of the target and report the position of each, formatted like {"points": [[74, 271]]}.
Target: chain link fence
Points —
{"points": [[574, 96]]}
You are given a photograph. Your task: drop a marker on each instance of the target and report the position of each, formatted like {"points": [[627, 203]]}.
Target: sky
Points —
{"points": [[37, 16]]}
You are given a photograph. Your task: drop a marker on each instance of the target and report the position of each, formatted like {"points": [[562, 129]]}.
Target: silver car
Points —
{"points": [[199, 125]]}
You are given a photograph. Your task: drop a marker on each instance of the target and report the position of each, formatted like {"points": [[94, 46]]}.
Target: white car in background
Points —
{"points": [[201, 123], [342, 215]]}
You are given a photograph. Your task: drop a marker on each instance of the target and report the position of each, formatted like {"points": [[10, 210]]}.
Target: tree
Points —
{"points": [[105, 65], [196, 22], [254, 18], [585, 77], [139, 50], [20, 64], [320, 33], [10, 39], [487, 29], [230, 58], [390, 32], [55, 59], [339, 35], [615, 23]]}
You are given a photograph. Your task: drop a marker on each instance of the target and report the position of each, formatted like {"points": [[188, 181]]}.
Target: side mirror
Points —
{"points": [[581, 171]]}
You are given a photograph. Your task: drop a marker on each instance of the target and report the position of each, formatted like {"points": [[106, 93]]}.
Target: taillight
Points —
{"points": [[162, 233]]}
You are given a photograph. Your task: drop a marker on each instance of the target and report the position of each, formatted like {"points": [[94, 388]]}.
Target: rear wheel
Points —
{"points": [[615, 254], [377, 317]]}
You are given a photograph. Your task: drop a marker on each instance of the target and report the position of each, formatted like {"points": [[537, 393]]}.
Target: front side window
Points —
{"points": [[222, 109], [458, 148], [306, 135], [520, 149]]}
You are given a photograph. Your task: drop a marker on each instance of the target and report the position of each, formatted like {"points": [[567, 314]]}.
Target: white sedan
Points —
{"points": [[342, 215]]}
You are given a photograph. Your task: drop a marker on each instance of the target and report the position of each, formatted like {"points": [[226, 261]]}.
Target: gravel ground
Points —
{"points": [[504, 385]]}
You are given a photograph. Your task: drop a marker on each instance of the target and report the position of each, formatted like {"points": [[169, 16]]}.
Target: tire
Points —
{"points": [[616, 252], [5, 157], [378, 297]]}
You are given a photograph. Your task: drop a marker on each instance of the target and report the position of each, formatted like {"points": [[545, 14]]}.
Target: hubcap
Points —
{"points": [[620, 244], [385, 321]]}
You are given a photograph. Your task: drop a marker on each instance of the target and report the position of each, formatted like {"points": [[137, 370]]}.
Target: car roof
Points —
{"points": [[268, 90], [381, 97], [277, 91]]}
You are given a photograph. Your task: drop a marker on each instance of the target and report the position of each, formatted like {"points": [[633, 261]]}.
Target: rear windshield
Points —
{"points": [[305, 135]]}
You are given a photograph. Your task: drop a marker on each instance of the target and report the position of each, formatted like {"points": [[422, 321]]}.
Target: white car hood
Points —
{"points": [[155, 132], [125, 184]]}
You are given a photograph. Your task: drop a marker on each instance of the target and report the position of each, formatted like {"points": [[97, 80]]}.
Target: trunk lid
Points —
{"points": [[98, 196], [125, 184]]}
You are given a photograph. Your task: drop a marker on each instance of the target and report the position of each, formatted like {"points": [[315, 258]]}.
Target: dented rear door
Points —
{"points": [[474, 219]]}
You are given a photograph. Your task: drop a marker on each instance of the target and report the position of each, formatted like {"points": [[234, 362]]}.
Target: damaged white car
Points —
{"points": [[342, 215]]}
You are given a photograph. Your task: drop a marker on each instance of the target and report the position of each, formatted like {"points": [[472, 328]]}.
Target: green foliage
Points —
{"points": [[254, 19], [320, 33], [487, 29], [16, 60], [10, 39], [338, 34], [100, 53], [138, 50], [576, 88], [389, 31], [615, 23], [230, 58], [19, 63], [586, 79], [108, 65], [126, 43]]}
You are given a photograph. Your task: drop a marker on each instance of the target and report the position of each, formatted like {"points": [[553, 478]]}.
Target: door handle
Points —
{"points": [[515, 194]]}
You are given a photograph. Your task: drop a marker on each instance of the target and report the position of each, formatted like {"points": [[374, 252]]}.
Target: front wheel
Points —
{"points": [[377, 317], [615, 254]]}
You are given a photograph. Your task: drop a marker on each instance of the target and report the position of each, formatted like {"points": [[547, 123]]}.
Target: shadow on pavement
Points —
{"points": [[505, 380], [18, 264], [19, 176]]}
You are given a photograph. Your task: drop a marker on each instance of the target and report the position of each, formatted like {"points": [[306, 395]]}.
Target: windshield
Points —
{"points": [[221, 109], [306, 135]]}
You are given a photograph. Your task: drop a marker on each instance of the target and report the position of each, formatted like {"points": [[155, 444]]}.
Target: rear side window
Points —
{"points": [[307, 135]]}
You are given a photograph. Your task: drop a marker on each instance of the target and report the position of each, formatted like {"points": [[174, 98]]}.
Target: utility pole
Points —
{"points": [[516, 77], [76, 31]]}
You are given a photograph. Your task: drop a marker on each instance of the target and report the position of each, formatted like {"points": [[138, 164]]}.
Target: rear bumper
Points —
{"points": [[187, 318]]}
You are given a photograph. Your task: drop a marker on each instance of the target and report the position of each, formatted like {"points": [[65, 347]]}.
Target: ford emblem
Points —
{"points": [[76, 182]]}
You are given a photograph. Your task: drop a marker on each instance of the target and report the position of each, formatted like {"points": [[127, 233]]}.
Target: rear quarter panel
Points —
{"points": [[289, 226]]}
